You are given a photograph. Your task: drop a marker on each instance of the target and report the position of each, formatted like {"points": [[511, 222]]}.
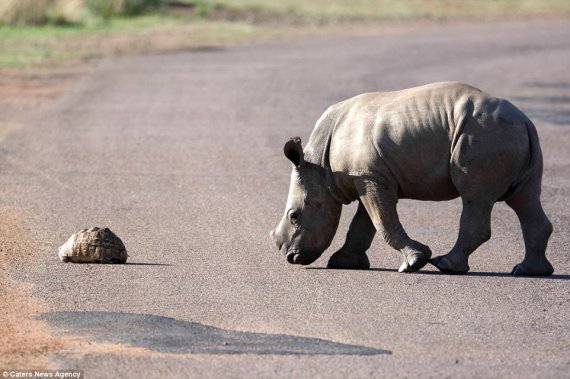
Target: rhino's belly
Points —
{"points": [[419, 162], [425, 180], [434, 190]]}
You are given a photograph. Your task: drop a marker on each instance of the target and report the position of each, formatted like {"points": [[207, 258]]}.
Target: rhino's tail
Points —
{"points": [[534, 162]]}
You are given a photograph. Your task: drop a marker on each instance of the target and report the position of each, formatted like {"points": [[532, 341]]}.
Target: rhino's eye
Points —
{"points": [[294, 216]]}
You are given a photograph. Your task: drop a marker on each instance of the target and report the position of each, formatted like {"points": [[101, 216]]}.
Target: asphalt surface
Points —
{"points": [[181, 155]]}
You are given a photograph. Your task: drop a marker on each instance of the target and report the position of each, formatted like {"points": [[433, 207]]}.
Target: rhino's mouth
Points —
{"points": [[292, 255], [295, 257]]}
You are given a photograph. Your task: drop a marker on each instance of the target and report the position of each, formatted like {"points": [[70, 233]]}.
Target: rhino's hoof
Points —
{"points": [[446, 266], [543, 268], [404, 267], [347, 261], [414, 261]]}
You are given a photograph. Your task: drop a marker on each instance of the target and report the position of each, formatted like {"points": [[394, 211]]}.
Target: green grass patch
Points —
{"points": [[53, 45]]}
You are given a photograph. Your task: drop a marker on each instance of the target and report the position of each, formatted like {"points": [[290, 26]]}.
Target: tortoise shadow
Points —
{"points": [[147, 264], [471, 273]]}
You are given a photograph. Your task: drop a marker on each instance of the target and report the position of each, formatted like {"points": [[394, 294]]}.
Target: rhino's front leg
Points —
{"points": [[380, 198], [352, 255]]}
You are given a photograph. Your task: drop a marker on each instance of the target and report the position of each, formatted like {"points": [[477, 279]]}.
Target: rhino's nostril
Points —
{"points": [[291, 257]]}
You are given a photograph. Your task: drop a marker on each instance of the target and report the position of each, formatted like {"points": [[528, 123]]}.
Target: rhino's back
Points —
{"points": [[407, 135]]}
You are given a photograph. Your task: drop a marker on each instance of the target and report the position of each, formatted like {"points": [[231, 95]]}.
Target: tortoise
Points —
{"points": [[95, 245]]}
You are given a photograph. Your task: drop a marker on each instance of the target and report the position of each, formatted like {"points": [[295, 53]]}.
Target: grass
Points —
{"points": [[53, 46], [374, 9], [212, 22]]}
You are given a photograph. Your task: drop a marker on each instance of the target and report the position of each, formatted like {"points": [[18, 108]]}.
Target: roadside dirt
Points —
{"points": [[24, 341], [25, 88]]}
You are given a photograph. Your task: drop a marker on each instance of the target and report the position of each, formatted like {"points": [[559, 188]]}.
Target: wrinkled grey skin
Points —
{"points": [[435, 142]]}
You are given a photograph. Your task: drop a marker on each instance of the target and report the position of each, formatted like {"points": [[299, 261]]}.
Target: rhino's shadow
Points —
{"points": [[471, 273]]}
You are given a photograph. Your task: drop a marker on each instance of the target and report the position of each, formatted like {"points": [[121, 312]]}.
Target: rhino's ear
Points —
{"points": [[294, 151]]}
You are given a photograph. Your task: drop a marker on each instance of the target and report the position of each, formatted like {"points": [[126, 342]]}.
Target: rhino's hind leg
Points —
{"points": [[352, 255], [474, 230], [536, 230], [379, 200]]}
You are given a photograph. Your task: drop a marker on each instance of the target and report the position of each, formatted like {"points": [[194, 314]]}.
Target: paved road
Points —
{"points": [[181, 155]]}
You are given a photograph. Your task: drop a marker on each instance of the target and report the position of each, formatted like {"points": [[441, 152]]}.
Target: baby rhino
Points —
{"points": [[435, 142]]}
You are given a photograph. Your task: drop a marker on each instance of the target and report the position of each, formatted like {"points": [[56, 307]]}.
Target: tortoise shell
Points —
{"points": [[95, 245]]}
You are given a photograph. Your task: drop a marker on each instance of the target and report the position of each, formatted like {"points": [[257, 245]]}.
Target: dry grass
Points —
{"points": [[24, 12], [39, 12], [69, 12], [77, 12]]}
